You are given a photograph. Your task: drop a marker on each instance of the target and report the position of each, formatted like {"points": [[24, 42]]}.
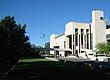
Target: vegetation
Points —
{"points": [[33, 60], [43, 69], [103, 48], [47, 45], [14, 43], [12, 39]]}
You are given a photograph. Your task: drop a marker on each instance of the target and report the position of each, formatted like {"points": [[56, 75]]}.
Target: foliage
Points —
{"points": [[47, 45], [12, 38], [103, 48], [39, 47], [14, 44]]}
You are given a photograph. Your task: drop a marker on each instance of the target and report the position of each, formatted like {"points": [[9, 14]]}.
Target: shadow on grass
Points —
{"points": [[51, 70]]}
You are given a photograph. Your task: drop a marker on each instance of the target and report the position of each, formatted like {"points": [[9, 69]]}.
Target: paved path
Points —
{"points": [[74, 59], [53, 59]]}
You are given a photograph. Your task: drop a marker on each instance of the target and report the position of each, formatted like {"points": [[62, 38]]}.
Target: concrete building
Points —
{"points": [[80, 39]]}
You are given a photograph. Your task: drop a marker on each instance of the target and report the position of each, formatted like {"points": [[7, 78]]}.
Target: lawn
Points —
{"points": [[43, 69], [33, 60]]}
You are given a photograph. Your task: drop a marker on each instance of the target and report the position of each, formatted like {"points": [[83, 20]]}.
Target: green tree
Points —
{"points": [[12, 38], [103, 48], [47, 45], [39, 46]]}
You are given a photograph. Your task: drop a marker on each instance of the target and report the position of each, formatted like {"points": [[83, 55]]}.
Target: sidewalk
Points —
{"points": [[52, 59]]}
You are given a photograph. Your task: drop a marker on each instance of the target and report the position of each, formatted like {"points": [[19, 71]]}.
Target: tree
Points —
{"points": [[39, 46], [103, 48], [12, 38], [47, 45]]}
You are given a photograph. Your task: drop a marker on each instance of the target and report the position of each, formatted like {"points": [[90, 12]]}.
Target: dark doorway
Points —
{"points": [[67, 53]]}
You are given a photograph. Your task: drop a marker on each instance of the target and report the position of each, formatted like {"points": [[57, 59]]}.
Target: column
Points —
{"points": [[78, 43], [55, 55], [83, 41], [86, 40], [89, 41], [72, 42]]}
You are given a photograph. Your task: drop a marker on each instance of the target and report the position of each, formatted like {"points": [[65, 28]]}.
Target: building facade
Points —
{"points": [[80, 39]]}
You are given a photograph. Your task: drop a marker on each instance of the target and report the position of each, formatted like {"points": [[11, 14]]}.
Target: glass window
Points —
{"points": [[82, 33], [76, 36], [56, 46], [76, 39], [101, 18], [64, 44], [91, 41], [87, 33]]}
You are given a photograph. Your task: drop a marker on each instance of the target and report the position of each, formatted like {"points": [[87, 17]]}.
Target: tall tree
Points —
{"points": [[12, 37]]}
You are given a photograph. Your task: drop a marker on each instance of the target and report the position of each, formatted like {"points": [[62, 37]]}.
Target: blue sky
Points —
{"points": [[50, 16]]}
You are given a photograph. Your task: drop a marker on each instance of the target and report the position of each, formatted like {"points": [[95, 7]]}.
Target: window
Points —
{"points": [[76, 31], [87, 33], [56, 46], [101, 18], [82, 33], [79, 42], [91, 41], [64, 44], [107, 26], [85, 41], [108, 36], [76, 37], [70, 44]]}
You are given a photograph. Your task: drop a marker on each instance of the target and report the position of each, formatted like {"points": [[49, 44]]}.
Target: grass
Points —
{"points": [[43, 69], [33, 60]]}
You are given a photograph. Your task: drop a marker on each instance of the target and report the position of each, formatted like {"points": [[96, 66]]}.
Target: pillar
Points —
{"points": [[72, 43], [55, 55]]}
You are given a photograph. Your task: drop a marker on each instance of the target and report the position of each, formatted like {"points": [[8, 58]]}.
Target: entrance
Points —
{"points": [[67, 53]]}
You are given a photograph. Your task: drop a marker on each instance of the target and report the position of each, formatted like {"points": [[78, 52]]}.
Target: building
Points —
{"points": [[80, 39]]}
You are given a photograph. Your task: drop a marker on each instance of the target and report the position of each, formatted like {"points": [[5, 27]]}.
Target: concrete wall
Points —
{"points": [[98, 27], [52, 42], [108, 31], [57, 41], [69, 29], [60, 41]]}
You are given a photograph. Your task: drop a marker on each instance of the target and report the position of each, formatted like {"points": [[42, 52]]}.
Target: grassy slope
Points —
{"points": [[43, 69]]}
